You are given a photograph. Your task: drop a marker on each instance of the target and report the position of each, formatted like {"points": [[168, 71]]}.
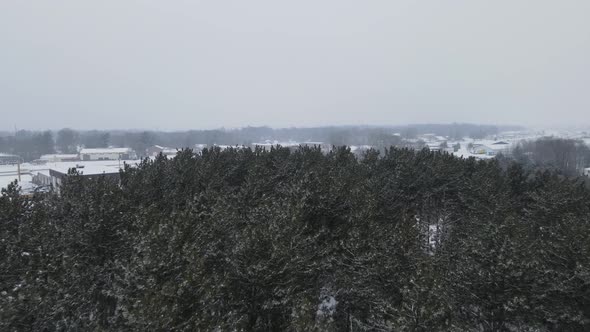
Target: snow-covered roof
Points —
{"points": [[25, 183], [105, 150], [7, 155], [89, 167], [269, 143], [58, 156], [8, 173], [499, 146], [354, 148], [264, 144], [225, 147], [484, 146]]}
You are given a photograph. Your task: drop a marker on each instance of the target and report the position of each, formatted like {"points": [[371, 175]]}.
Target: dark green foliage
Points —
{"points": [[280, 240]]}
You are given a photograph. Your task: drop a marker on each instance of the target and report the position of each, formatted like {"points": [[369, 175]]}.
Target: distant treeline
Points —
{"points": [[252, 240], [30, 144], [566, 156]]}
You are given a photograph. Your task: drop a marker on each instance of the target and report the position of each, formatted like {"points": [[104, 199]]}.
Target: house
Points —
{"points": [[501, 147], [9, 159], [434, 146], [155, 150], [587, 171], [170, 152], [482, 149], [440, 146], [429, 137], [107, 154], [54, 158]]}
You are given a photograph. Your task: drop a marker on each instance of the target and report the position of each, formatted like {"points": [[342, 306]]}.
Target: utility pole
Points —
{"points": [[18, 169]]}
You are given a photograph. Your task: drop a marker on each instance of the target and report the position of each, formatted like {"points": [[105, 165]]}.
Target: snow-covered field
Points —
{"points": [[6, 179]]}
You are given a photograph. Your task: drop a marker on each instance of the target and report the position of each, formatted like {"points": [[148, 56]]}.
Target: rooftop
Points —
{"points": [[105, 150], [86, 168], [54, 156]]}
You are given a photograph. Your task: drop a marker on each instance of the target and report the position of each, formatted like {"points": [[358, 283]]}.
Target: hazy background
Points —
{"points": [[206, 64]]}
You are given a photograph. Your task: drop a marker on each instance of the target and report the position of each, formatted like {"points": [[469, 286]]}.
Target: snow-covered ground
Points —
{"points": [[6, 179]]}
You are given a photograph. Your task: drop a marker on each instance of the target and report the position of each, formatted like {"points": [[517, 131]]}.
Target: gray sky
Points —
{"points": [[206, 64]]}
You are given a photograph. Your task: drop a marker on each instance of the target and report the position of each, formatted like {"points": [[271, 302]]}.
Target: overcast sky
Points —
{"points": [[206, 64]]}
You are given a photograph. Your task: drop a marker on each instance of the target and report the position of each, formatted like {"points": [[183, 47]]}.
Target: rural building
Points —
{"points": [[57, 176], [54, 173], [54, 158], [439, 147], [587, 171], [155, 150], [501, 147], [429, 137], [226, 147], [42, 179], [267, 145], [9, 159], [433, 146], [482, 149], [107, 154]]}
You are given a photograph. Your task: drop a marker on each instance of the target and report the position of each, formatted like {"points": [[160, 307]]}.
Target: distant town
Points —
{"points": [[48, 170]]}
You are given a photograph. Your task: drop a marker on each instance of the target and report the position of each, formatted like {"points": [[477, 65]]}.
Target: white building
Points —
{"points": [[439, 147], [9, 159], [107, 154], [54, 174], [54, 158], [155, 150], [268, 144], [502, 147], [587, 171], [481, 149]]}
